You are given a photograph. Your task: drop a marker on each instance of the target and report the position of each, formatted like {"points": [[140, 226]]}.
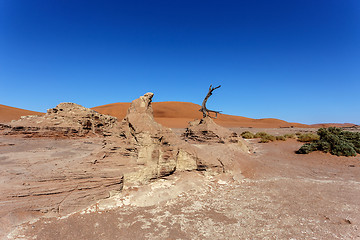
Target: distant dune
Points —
{"points": [[10, 113], [175, 115], [178, 114]]}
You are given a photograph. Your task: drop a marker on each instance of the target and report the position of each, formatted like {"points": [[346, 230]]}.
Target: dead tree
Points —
{"points": [[206, 112]]}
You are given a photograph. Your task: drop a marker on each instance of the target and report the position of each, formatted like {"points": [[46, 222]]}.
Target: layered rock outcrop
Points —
{"points": [[66, 193], [52, 176], [133, 151], [205, 130], [159, 150], [67, 120], [145, 149]]}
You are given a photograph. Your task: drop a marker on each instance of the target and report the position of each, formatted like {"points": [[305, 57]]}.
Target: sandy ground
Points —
{"points": [[278, 195]]}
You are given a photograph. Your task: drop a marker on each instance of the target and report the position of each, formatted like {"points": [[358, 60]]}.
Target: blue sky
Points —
{"points": [[295, 60]]}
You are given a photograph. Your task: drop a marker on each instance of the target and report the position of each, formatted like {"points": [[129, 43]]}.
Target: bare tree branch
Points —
{"points": [[204, 110]]}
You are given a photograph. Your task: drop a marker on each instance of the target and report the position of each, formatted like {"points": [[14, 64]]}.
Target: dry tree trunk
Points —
{"points": [[204, 110]]}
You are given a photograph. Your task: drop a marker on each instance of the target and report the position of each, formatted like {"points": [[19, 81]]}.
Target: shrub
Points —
{"points": [[280, 138], [308, 137], [335, 141], [290, 135], [307, 148], [247, 135], [267, 138], [260, 134], [264, 140], [264, 137]]}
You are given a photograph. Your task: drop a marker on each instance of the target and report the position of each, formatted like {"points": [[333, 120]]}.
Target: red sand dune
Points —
{"points": [[10, 113], [178, 114], [174, 115]]}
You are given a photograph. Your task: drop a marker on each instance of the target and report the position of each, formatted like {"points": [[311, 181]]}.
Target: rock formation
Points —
{"points": [[146, 149], [205, 130], [133, 151], [66, 119], [66, 193], [159, 150]]}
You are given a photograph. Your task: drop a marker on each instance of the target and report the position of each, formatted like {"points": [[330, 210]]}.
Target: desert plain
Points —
{"points": [[142, 171]]}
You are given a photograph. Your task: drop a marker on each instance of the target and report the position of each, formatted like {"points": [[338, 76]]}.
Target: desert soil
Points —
{"points": [[275, 194]]}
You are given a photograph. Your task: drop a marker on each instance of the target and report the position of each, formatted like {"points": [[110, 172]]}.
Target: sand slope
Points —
{"points": [[178, 114], [174, 115], [10, 113]]}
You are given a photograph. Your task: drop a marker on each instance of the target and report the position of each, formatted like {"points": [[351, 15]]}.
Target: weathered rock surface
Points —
{"points": [[65, 120], [145, 149], [62, 179], [63, 194], [205, 130], [159, 150], [51, 176]]}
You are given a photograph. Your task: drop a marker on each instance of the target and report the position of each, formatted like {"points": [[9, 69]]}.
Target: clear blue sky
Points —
{"points": [[296, 60]]}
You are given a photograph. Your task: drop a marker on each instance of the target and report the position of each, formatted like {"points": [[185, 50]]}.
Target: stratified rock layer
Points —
{"points": [[127, 153], [159, 150], [67, 120], [205, 130], [52, 176]]}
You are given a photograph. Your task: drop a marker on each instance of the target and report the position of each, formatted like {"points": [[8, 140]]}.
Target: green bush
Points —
{"points": [[335, 141], [308, 137], [307, 148], [247, 135]]}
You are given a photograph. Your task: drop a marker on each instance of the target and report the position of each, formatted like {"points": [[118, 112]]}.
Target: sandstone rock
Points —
{"points": [[186, 161], [136, 150], [67, 193], [205, 130], [53, 177], [160, 151], [66, 119]]}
